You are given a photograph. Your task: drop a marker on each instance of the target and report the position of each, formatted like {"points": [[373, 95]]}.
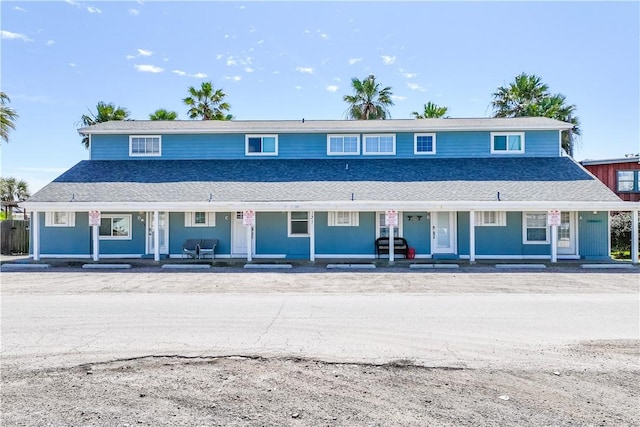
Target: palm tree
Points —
{"points": [[7, 117], [431, 111], [207, 103], [12, 191], [104, 113], [162, 114], [368, 101], [527, 96]]}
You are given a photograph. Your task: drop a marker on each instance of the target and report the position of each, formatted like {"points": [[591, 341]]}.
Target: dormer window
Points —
{"points": [[144, 145], [507, 142]]}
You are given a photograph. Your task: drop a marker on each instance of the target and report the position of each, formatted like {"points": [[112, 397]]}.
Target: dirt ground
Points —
{"points": [[241, 391], [248, 390]]}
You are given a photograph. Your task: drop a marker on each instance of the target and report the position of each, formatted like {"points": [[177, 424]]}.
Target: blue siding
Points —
{"points": [[463, 233], [134, 246], [416, 232], [178, 233], [65, 240], [314, 146], [271, 237], [593, 235], [345, 240], [507, 240]]}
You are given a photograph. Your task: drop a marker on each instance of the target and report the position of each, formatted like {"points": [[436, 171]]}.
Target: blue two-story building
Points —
{"points": [[486, 188]]}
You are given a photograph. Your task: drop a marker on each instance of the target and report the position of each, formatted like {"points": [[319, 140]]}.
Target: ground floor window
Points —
{"points": [[60, 219], [343, 219], [491, 219], [115, 227], [298, 224], [199, 219], [383, 229], [535, 227]]}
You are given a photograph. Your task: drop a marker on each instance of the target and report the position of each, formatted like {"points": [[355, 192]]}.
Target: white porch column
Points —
{"points": [[391, 241], [472, 236], [554, 243], [312, 237], [96, 243], [249, 234], [634, 236], [35, 229], [156, 236]]}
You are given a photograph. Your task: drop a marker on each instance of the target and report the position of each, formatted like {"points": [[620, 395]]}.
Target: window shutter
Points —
{"points": [[355, 219], [188, 216], [211, 219], [48, 219], [71, 216], [501, 219], [479, 217], [331, 219]]}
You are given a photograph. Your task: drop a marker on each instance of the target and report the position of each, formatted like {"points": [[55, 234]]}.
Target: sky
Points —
{"points": [[289, 60]]}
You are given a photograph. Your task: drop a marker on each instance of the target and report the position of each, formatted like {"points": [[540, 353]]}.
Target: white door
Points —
{"points": [[163, 232], [238, 236], [567, 234], [443, 232]]}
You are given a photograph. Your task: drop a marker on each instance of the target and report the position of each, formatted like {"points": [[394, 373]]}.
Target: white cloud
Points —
{"points": [[353, 61], [8, 35], [179, 72], [130, 56], [199, 75], [388, 60], [297, 87], [332, 88], [233, 78], [92, 9], [19, 9], [72, 64], [324, 36], [415, 86], [134, 12], [144, 52], [50, 43], [231, 61], [148, 68], [218, 57], [398, 98], [410, 75], [307, 70], [249, 70]]}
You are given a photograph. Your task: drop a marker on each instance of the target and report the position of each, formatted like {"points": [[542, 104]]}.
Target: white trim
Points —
{"points": [[261, 152], [289, 234], [525, 241], [111, 237], [415, 144], [343, 153], [345, 256], [501, 219], [145, 154], [378, 153], [49, 217], [506, 150], [190, 219], [262, 256], [332, 219]]}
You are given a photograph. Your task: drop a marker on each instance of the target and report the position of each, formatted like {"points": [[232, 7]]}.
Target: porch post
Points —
{"points": [[96, 243], [35, 229], [634, 236], [391, 241], [249, 234], [554, 243], [312, 236], [472, 236], [156, 236]]}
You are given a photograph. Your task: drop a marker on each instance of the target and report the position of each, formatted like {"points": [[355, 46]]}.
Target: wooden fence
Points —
{"points": [[14, 237]]}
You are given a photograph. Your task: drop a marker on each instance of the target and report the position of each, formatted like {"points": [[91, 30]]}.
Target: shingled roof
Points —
{"points": [[278, 180]]}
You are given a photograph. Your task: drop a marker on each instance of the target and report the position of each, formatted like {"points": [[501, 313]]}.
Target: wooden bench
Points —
{"points": [[400, 246]]}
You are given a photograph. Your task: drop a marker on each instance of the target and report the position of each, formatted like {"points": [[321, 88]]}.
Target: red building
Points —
{"points": [[622, 176]]}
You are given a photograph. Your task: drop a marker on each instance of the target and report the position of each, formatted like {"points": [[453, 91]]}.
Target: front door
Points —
{"points": [[163, 232], [238, 236], [567, 234], [443, 232]]}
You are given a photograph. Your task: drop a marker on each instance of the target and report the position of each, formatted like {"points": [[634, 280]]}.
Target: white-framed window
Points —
{"points": [[261, 145], [343, 219], [60, 219], [115, 227], [379, 144], [491, 219], [507, 142], [424, 143], [534, 228], [145, 145], [298, 224], [199, 219], [628, 181], [343, 145], [382, 230]]}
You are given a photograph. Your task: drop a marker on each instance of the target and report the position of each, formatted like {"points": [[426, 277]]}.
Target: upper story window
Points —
{"points": [[424, 143], [145, 145], [628, 181], [380, 144], [507, 142], [343, 144], [261, 145], [60, 219]]}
